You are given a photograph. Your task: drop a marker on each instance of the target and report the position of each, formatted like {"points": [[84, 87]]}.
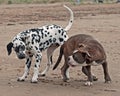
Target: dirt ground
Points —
{"points": [[101, 21]]}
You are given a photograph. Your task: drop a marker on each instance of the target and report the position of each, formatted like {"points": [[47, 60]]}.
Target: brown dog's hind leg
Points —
{"points": [[106, 74], [64, 72], [85, 71]]}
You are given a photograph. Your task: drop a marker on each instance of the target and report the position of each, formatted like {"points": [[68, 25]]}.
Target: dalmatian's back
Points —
{"points": [[44, 37]]}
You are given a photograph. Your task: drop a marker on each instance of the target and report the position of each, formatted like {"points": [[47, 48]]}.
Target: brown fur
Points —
{"points": [[89, 50]]}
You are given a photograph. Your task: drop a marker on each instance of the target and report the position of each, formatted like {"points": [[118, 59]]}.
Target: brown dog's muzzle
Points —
{"points": [[79, 57], [76, 59]]}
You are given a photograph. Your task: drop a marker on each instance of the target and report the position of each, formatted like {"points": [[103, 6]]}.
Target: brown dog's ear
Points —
{"points": [[81, 45], [83, 49], [9, 48]]}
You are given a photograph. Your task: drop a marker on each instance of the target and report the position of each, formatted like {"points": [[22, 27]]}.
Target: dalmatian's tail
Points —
{"points": [[71, 19]]}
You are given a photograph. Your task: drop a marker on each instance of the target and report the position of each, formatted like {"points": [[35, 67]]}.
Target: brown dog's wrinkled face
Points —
{"points": [[77, 59], [80, 57]]}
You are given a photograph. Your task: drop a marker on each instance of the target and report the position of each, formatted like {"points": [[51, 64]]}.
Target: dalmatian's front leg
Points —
{"points": [[26, 70], [38, 58]]}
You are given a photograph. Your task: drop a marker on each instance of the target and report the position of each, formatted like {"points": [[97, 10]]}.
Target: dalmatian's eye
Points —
{"points": [[21, 47], [16, 49]]}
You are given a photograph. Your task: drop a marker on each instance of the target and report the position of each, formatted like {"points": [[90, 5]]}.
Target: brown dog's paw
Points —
{"points": [[88, 83], [108, 82], [65, 79], [108, 79]]}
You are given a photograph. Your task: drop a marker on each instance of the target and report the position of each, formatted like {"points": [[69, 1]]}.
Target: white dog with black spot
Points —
{"points": [[32, 42]]}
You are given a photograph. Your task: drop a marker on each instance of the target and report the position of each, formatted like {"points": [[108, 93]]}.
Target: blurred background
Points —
{"points": [[55, 1]]}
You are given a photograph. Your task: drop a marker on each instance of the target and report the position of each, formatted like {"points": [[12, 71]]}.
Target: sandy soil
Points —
{"points": [[100, 21]]}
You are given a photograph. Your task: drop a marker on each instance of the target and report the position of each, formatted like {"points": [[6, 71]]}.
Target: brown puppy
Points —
{"points": [[83, 50]]}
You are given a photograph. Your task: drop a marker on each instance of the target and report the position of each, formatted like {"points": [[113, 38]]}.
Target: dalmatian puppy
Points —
{"points": [[32, 42]]}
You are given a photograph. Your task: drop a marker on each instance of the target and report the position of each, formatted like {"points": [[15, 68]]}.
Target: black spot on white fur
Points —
{"points": [[61, 39]]}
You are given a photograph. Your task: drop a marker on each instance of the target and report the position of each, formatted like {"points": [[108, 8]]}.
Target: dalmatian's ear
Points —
{"points": [[9, 48]]}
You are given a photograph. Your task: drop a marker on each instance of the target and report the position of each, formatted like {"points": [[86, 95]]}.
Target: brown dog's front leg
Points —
{"points": [[106, 74], [85, 71], [90, 77]]}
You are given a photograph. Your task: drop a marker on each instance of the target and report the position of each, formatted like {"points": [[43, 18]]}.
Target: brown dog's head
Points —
{"points": [[80, 56], [84, 49]]}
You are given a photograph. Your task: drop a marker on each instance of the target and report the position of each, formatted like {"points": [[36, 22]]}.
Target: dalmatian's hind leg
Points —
{"points": [[50, 51]]}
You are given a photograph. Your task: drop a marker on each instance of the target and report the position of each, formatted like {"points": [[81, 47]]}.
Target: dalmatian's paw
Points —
{"points": [[34, 81], [41, 75], [20, 79]]}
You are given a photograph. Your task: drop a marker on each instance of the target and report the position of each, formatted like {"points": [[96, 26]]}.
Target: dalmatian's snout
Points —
{"points": [[21, 55]]}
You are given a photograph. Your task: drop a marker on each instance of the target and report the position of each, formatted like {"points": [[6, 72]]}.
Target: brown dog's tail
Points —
{"points": [[59, 58]]}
